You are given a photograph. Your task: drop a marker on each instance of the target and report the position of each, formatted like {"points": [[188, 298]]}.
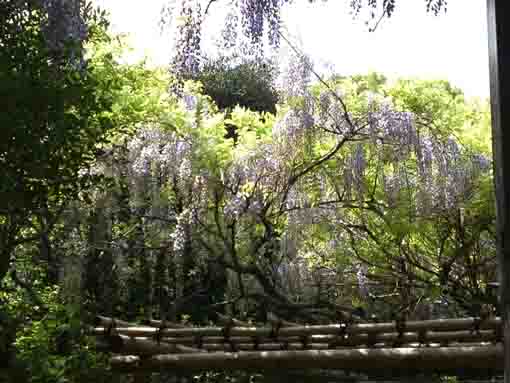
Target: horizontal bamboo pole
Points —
{"points": [[321, 346], [247, 339], [225, 347], [410, 337], [223, 320], [121, 344], [325, 342], [335, 329], [440, 358], [143, 346], [164, 324], [136, 346], [262, 347], [106, 321], [215, 347], [430, 336]]}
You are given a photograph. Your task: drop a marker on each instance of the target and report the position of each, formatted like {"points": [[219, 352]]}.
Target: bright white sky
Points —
{"points": [[412, 43]]}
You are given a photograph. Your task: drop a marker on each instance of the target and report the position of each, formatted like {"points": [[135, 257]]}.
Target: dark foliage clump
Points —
{"points": [[248, 83]]}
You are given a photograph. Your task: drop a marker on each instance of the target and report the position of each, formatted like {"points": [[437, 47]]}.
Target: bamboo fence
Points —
{"points": [[467, 343]]}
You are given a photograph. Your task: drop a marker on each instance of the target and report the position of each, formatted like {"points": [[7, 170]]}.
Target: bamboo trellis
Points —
{"points": [[441, 344]]}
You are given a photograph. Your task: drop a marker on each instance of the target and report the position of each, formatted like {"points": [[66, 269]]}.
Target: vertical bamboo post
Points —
{"points": [[499, 62]]}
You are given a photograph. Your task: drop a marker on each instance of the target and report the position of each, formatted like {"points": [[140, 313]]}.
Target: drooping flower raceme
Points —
{"points": [[361, 275], [188, 55], [179, 235], [431, 173], [255, 15], [152, 145], [358, 166], [249, 178]]}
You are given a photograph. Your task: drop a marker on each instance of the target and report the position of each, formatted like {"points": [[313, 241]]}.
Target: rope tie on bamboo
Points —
{"points": [[226, 336], [199, 341], [371, 339], [256, 342], [422, 337], [305, 340], [477, 322], [158, 335], [340, 337], [400, 325], [108, 331], [275, 329]]}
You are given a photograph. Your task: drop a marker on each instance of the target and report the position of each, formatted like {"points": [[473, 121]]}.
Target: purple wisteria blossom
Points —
{"points": [[361, 276], [325, 104], [188, 55], [358, 165], [235, 206], [179, 235], [291, 128], [424, 156], [151, 145], [348, 181], [248, 179], [255, 15], [297, 79], [392, 187], [229, 33], [480, 163], [395, 128], [190, 102]]}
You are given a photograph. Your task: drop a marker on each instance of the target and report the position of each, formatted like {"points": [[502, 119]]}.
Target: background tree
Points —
{"points": [[52, 123], [318, 195], [232, 81], [65, 94]]}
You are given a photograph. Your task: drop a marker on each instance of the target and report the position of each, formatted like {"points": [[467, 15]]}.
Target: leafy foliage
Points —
{"points": [[52, 346], [55, 116], [66, 97]]}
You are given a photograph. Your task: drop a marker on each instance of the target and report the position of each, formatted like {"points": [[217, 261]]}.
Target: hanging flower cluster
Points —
{"points": [[361, 276], [413, 164], [152, 146], [179, 235], [188, 44], [248, 179], [256, 14]]}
